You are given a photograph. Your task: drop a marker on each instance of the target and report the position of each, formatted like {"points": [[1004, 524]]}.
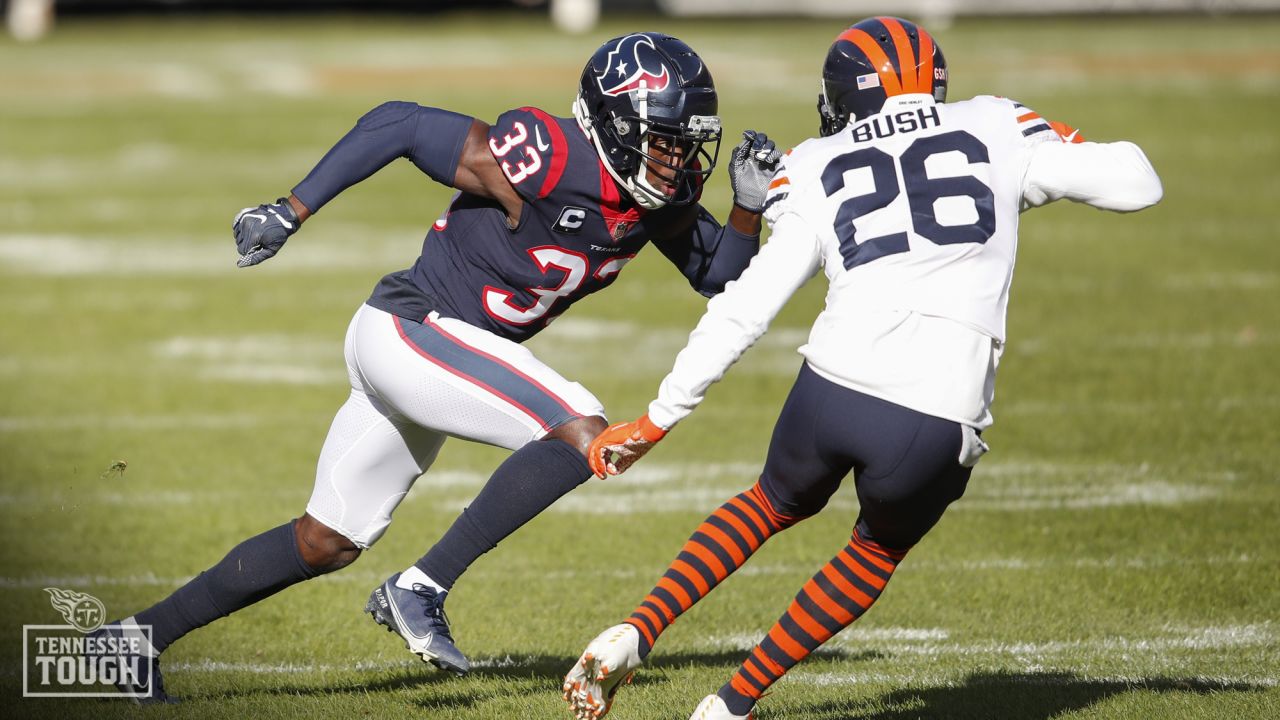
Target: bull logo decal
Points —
{"points": [[634, 63], [82, 611]]}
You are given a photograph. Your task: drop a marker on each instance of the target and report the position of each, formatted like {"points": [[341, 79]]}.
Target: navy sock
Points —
{"points": [[737, 703], [528, 482], [254, 570]]}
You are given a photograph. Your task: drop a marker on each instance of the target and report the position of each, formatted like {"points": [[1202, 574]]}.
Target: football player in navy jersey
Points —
{"points": [[548, 210]]}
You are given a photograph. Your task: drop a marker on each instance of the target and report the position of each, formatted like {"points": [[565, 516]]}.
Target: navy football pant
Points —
{"points": [[905, 463]]}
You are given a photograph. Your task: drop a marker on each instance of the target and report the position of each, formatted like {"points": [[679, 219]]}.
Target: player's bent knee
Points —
{"points": [[579, 432], [322, 548]]}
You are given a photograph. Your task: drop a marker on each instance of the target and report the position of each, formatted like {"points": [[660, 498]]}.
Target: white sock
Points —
{"points": [[414, 576], [129, 628]]}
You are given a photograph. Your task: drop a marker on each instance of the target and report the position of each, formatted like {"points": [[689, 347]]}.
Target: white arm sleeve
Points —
{"points": [[1112, 176], [737, 317]]}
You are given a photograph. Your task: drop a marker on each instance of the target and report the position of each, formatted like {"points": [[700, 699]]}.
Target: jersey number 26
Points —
{"points": [[922, 192]]}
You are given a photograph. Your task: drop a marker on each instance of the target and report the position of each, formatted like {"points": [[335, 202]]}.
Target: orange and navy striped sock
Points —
{"points": [[839, 594], [720, 545]]}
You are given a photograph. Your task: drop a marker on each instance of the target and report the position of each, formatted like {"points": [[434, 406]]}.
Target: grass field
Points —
{"points": [[1115, 556]]}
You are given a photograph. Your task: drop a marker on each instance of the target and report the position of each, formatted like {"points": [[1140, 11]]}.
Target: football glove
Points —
{"points": [[751, 168], [1066, 132], [260, 232], [619, 446]]}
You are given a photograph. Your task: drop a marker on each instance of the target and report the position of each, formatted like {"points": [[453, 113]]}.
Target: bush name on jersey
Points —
{"points": [[883, 126]]}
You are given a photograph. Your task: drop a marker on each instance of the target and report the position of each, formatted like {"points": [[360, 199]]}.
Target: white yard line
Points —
{"points": [[202, 421], [801, 570], [937, 642], [75, 255]]}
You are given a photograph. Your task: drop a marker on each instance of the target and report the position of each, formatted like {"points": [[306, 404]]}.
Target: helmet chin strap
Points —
{"points": [[638, 187]]}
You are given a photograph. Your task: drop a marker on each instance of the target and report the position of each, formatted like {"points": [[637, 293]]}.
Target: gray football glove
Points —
{"points": [[260, 232], [751, 168]]}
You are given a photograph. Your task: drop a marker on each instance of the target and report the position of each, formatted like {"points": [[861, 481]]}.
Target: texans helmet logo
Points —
{"points": [[633, 63]]}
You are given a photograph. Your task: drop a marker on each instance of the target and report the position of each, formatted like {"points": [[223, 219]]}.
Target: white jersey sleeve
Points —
{"points": [[1111, 176], [737, 317]]}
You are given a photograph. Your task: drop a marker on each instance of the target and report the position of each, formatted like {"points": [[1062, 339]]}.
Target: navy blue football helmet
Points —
{"points": [[648, 92], [872, 61]]}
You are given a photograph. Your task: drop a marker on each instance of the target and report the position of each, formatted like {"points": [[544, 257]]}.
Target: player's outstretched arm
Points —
{"points": [[448, 147], [1112, 176]]}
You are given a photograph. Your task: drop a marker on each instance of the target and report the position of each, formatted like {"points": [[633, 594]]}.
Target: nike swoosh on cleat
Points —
{"points": [[537, 136]]}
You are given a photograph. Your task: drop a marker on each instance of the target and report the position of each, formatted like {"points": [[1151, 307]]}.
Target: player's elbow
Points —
{"points": [[388, 113], [1150, 195], [1143, 187]]}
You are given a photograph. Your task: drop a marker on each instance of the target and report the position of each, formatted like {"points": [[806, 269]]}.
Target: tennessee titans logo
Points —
{"points": [[633, 63], [85, 612]]}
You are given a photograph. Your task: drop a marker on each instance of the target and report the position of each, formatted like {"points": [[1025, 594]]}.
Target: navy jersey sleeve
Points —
{"points": [[708, 254], [531, 149], [431, 138]]}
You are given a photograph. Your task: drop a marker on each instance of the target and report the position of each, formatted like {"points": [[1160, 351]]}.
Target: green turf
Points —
{"points": [[1110, 560]]}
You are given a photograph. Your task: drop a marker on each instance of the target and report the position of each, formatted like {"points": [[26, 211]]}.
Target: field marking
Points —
{"points": [[937, 642], [266, 358], [799, 570], [1243, 280], [1090, 487], [775, 354], [247, 347], [1041, 677], [209, 665], [696, 488], [63, 255], [1082, 497], [204, 421], [1020, 408]]}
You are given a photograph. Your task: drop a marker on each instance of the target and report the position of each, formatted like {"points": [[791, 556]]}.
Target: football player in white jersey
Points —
{"points": [[911, 208]]}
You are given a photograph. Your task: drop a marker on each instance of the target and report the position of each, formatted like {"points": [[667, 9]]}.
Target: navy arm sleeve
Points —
{"points": [[430, 137], [708, 254]]}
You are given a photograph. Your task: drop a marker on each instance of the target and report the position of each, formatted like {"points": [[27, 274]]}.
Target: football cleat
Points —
{"points": [[138, 674], [609, 661], [713, 708], [417, 616]]}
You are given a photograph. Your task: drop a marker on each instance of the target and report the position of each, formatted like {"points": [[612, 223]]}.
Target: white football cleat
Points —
{"points": [[713, 708], [608, 662]]}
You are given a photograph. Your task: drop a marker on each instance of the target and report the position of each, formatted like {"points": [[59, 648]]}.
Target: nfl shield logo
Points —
{"points": [[868, 81]]}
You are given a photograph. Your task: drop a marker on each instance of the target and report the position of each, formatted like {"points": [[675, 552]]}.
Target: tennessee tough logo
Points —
{"points": [[634, 63]]}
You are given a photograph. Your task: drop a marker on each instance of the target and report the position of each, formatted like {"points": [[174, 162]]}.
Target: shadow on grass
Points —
{"points": [[1025, 696], [986, 695]]}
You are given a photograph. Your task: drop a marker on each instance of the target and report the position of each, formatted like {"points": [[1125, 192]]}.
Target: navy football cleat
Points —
{"points": [[136, 675], [417, 616]]}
